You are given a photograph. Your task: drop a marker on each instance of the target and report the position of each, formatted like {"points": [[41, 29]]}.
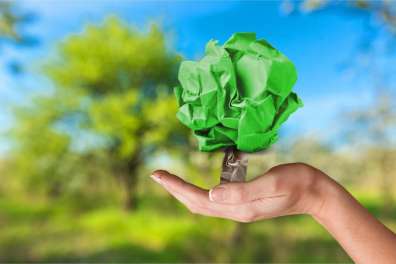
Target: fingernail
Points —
{"points": [[156, 178], [217, 194]]}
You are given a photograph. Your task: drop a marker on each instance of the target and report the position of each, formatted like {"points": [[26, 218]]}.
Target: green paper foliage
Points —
{"points": [[238, 94]]}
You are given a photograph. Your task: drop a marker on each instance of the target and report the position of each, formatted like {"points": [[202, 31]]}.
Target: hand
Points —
{"points": [[283, 190], [292, 189]]}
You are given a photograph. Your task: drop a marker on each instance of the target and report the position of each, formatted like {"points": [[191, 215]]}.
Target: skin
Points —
{"points": [[291, 189]]}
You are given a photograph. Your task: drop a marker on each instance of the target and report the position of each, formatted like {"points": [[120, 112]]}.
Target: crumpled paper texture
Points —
{"points": [[238, 94]]}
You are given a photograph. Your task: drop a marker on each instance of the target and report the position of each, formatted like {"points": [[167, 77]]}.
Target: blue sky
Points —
{"points": [[318, 43]]}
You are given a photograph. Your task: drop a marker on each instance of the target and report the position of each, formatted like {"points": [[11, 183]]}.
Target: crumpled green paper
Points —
{"points": [[238, 94]]}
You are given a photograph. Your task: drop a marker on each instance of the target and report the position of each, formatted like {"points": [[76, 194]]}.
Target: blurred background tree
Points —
{"points": [[372, 130], [370, 127], [13, 24], [112, 95], [12, 21]]}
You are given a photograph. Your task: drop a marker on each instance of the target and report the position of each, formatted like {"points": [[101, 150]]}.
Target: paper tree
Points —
{"points": [[238, 95]]}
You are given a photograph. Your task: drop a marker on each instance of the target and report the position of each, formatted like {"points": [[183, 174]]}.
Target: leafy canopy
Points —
{"points": [[111, 93]]}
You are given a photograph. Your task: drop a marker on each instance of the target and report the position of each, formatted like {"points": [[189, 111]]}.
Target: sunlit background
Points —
{"points": [[87, 112]]}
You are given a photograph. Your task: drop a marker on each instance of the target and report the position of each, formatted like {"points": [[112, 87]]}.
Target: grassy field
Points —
{"points": [[38, 231]]}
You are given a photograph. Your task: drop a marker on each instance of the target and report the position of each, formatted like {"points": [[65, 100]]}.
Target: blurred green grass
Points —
{"points": [[54, 232]]}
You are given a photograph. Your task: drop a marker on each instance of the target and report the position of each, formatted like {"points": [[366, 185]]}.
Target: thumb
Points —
{"points": [[230, 193]]}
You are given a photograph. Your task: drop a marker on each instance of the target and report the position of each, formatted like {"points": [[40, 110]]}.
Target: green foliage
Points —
{"points": [[114, 58], [11, 20], [111, 100], [123, 83]]}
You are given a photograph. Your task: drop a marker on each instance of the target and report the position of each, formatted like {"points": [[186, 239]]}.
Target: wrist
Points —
{"points": [[325, 193]]}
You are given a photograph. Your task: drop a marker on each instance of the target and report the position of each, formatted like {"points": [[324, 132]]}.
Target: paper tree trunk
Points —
{"points": [[234, 166]]}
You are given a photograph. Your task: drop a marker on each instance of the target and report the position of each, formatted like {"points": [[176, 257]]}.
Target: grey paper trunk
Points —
{"points": [[234, 166]]}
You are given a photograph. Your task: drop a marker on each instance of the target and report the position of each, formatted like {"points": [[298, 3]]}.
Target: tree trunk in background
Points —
{"points": [[55, 189], [129, 180], [237, 242]]}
